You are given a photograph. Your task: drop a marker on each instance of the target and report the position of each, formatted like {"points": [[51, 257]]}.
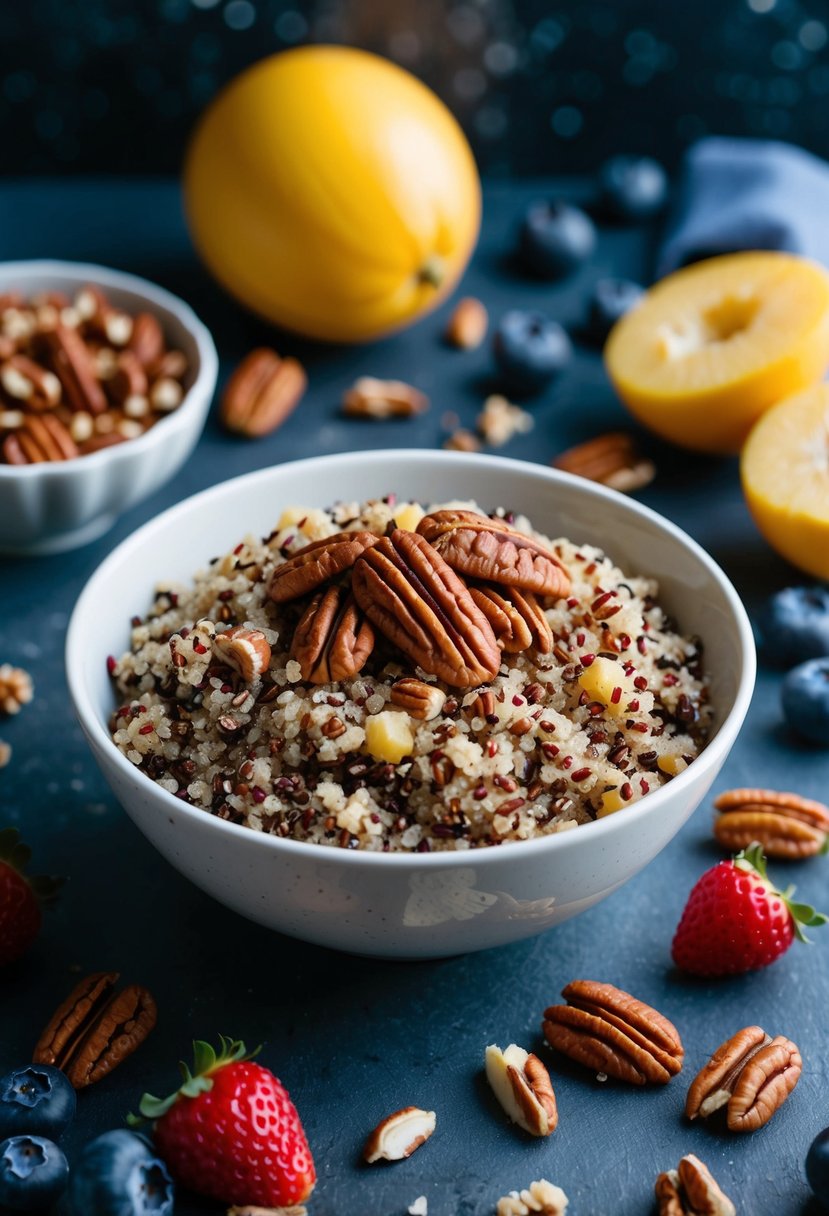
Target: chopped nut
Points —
{"points": [[400, 1134], [542, 1197], [499, 420], [691, 1190], [166, 395], [421, 700], [16, 689], [462, 441], [245, 650], [467, 326], [522, 1085], [370, 398], [420, 1207]]}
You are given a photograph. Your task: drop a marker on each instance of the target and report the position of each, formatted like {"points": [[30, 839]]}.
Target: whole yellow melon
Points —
{"points": [[333, 193]]}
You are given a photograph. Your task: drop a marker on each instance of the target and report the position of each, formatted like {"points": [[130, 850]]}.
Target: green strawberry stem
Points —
{"points": [[205, 1062], [753, 860], [17, 855]]}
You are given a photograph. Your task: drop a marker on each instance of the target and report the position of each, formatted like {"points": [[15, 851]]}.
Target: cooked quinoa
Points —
{"points": [[616, 709]]}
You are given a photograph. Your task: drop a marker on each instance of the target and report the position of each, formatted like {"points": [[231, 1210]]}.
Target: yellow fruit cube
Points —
{"points": [[612, 801], [389, 736], [672, 765], [605, 681], [408, 515], [291, 516]]}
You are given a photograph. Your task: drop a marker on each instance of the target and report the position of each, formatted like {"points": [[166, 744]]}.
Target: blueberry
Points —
{"points": [[555, 239], [611, 299], [36, 1099], [633, 187], [33, 1173], [530, 349], [118, 1174], [817, 1166], [805, 696], [795, 626]]}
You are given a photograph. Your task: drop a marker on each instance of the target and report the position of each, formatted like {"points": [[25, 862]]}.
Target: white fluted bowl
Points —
{"points": [[409, 905], [51, 507]]}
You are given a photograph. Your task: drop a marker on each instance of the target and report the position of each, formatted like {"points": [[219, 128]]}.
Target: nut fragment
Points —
{"points": [[786, 825], [370, 398], [16, 688], [500, 420], [522, 1085], [467, 326], [462, 440], [261, 393], [400, 1134], [751, 1075], [25, 380], [245, 650], [542, 1197], [613, 460], [248, 1209], [421, 700], [333, 640], [611, 1032], [491, 550], [96, 1028], [316, 563], [691, 1190]]}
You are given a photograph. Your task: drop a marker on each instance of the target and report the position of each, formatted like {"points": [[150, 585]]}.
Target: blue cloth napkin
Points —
{"points": [[747, 194]]}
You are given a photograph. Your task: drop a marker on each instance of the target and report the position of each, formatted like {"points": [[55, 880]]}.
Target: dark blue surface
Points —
{"points": [[354, 1039]]}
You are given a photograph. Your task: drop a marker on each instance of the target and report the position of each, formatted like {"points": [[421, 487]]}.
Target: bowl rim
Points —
{"points": [[197, 397], [597, 831]]}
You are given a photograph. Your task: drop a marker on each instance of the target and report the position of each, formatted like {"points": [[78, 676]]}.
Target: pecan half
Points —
{"points": [[467, 326], [691, 1190], [317, 563], [517, 619], [522, 1085], [333, 640], [398, 1135], [262, 392], [421, 700], [70, 358], [147, 339], [409, 592], [41, 437], [25, 380], [751, 1075], [611, 1032], [612, 460], [786, 825], [370, 398], [490, 550], [96, 1028]]}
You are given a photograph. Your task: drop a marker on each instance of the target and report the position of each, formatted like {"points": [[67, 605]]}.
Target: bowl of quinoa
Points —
{"points": [[368, 695]]}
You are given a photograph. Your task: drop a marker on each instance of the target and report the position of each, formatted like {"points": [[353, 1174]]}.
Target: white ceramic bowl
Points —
{"points": [[409, 906], [47, 508]]}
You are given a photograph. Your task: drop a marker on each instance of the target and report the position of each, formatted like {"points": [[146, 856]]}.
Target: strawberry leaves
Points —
{"points": [[206, 1061]]}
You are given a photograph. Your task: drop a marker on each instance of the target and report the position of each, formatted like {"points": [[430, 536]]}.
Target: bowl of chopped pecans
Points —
{"points": [[105, 382], [409, 703]]}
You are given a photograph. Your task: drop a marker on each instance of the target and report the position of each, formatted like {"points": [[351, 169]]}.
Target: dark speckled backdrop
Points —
{"points": [[115, 85]]}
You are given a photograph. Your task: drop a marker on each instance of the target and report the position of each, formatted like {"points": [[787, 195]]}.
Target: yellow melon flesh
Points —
{"points": [[785, 473], [715, 345]]}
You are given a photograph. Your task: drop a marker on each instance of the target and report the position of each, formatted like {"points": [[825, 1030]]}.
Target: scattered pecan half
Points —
{"points": [[522, 1085], [517, 619], [612, 460], [611, 1032], [421, 700], [691, 1190], [786, 825], [96, 1028], [316, 563], [467, 325], [490, 550], [370, 398], [413, 597], [333, 640], [40, 438], [262, 392], [398, 1135], [750, 1075]]}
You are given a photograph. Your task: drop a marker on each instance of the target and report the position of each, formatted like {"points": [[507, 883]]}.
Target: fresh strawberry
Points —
{"points": [[20, 897], [232, 1133], [736, 921]]}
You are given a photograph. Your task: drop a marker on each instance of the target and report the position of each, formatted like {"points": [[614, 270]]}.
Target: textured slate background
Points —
{"points": [[354, 1039]]}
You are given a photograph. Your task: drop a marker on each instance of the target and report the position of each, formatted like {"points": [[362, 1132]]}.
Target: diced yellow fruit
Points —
{"points": [[715, 345], [389, 737], [672, 765], [601, 679], [291, 516], [612, 801], [785, 472], [408, 515]]}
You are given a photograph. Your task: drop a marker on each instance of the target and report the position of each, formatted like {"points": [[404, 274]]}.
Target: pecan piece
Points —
{"points": [[691, 1190], [398, 1135], [421, 700], [41, 438], [522, 1085], [245, 650], [786, 825], [316, 563], [25, 380], [541, 1198], [147, 339], [517, 619], [71, 361], [611, 1032], [262, 392], [462, 440], [96, 1028], [370, 398], [612, 460], [467, 326], [333, 640], [751, 1075], [413, 597], [491, 550]]}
